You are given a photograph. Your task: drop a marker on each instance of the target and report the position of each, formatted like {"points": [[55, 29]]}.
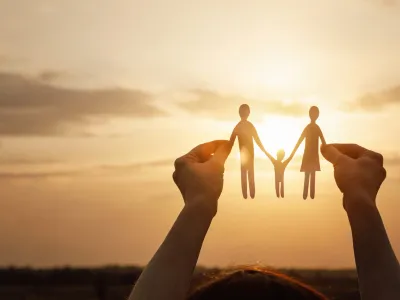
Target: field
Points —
{"points": [[115, 283]]}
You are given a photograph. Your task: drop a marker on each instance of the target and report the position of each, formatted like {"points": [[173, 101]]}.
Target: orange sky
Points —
{"points": [[98, 99]]}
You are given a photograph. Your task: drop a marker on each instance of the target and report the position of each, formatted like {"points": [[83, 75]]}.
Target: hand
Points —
{"points": [[359, 172], [199, 174]]}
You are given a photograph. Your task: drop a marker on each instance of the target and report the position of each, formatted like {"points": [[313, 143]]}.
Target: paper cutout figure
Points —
{"points": [[312, 133], [279, 166], [246, 132]]}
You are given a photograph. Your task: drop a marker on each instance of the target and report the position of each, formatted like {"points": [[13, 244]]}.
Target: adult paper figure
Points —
{"points": [[310, 165], [246, 132]]}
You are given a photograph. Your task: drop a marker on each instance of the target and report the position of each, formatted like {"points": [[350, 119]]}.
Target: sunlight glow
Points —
{"points": [[280, 132]]}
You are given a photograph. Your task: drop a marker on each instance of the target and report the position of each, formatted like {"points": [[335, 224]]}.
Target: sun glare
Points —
{"points": [[278, 132]]}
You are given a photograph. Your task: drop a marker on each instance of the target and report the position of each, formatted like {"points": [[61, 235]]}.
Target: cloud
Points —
{"points": [[50, 75], [212, 104], [379, 100], [32, 106], [14, 160], [37, 175], [388, 2], [393, 160], [138, 166], [99, 170]]}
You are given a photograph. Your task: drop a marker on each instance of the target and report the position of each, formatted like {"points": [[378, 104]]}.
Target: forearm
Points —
{"points": [[169, 273], [377, 266]]}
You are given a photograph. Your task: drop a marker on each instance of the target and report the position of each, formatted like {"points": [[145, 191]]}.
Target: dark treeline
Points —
{"points": [[69, 276], [128, 275], [116, 282]]}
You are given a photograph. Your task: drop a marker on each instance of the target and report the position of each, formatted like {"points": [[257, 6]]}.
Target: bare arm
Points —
{"points": [[169, 273], [199, 177], [359, 174], [377, 266]]}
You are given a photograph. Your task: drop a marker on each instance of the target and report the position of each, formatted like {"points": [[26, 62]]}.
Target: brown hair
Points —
{"points": [[254, 283]]}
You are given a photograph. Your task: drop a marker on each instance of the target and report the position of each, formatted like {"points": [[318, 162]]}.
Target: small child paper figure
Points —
{"points": [[279, 166], [246, 132], [310, 165]]}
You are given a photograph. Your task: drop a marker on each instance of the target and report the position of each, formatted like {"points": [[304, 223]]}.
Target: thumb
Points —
{"points": [[331, 154], [222, 153]]}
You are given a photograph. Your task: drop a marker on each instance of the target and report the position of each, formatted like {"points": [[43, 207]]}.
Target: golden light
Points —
{"points": [[280, 132]]}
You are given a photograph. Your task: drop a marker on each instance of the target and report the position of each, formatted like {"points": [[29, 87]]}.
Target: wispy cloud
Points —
{"points": [[375, 101], [138, 166], [216, 105], [99, 170], [132, 168], [386, 2], [37, 175], [33, 106], [378, 100]]}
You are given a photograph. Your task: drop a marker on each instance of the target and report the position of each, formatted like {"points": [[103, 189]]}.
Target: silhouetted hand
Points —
{"points": [[199, 174], [359, 172]]}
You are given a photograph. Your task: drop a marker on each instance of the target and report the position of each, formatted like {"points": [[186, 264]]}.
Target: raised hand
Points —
{"points": [[359, 172], [199, 173], [199, 177]]}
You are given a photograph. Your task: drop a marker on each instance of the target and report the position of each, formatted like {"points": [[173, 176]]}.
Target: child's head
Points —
{"points": [[314, 113], [244, 111], [280, 155]]}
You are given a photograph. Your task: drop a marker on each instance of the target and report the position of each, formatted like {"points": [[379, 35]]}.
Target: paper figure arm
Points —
{"points": [[303, 135], [321, 135], [286, 162], [257, 140], [233, 136], [272, 159]]}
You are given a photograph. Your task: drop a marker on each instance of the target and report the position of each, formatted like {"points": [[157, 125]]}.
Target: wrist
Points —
{"points": [[357, 202], [201, 208]]}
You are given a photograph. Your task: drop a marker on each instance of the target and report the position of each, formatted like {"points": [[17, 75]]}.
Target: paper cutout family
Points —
{"points": [[246, 132]]}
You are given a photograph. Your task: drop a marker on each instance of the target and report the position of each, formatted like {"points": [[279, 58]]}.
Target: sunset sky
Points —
{"points": [[98, 97]]}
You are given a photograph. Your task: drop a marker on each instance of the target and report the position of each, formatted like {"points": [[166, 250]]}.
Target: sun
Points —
{"points": [[279, 132]]}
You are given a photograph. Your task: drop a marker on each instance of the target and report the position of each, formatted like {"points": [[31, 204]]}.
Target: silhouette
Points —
{"points": [[312, 133], [279, 167], [246, 132]]}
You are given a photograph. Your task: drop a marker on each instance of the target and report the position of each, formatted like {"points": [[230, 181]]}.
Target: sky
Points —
{"points": [[98, 97]]}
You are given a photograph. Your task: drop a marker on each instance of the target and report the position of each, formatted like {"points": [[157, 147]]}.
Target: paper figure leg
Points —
{"points": [[312, 185], [244, 181], [282, 189], [277, 188], [306, 183], [252, 183]]}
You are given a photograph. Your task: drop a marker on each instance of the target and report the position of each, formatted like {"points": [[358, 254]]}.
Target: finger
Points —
{"points": [[203, 152], [352, 150], [222, 153], [331, 154], [356, 151]]}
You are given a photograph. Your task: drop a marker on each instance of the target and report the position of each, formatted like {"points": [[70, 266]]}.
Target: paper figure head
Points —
{"points": [[314, 113], [244, 111], [280, 155]]}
